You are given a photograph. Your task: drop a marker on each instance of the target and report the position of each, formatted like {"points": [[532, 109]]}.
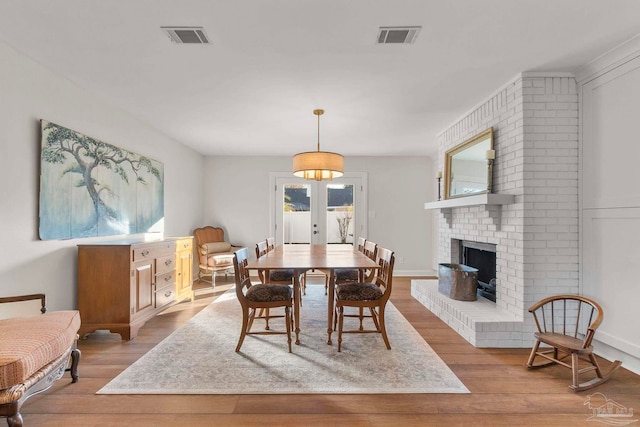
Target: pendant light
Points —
{"points": [[318, 165]]}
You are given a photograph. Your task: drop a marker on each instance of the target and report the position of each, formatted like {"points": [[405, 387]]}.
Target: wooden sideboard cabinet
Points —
{"points": [[121, 284]]}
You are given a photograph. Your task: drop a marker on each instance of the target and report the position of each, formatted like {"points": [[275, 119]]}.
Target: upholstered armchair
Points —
{"points": [[215, 254]]}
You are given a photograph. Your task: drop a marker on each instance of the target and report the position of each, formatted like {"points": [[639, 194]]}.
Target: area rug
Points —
{"points": [[200, 358]]}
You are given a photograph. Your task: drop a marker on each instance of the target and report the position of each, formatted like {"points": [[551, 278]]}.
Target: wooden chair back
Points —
{"points": [[570, 315], [361, 242], [370, 249], [271, 243], [261, 250], [240, 262], [384, 278], [208, 234]]}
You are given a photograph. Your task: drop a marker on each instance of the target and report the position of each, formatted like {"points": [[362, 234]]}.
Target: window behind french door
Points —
{"points": [[318, 212]]}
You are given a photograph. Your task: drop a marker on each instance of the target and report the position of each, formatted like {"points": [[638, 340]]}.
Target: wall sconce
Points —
{"points": [[491, 156], [439, 178]]}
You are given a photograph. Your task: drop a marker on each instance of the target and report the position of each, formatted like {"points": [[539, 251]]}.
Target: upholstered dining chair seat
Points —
{"points": [[268, 293], [358, 292], [281, 276], [346, 275]]}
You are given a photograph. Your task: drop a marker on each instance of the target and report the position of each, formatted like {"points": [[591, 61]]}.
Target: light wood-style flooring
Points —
{"points": [[503, 391]]}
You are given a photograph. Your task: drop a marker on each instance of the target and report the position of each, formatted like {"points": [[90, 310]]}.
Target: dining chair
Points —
{"points": [[370, 250], [345, 275], [373, 296], [276, 277], [271, 243], [260, 296], [566, 326], [272, 277]]}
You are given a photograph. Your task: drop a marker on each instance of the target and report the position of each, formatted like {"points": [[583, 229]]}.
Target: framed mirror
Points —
{"points": [[467, 171]]}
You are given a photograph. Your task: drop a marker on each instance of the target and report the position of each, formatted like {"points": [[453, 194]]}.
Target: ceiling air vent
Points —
{"points": [[402, 35], [186, 35]]}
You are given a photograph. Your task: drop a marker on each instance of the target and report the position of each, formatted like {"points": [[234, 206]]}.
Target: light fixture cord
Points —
{"points": [[318, 132]]}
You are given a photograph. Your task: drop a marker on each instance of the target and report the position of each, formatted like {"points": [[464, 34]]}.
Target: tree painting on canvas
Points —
{"points": [[89, 188]]}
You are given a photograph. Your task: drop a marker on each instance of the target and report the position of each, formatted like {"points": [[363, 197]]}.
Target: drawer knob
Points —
{"points": [[145, 252], [166, 279], [167, 294], [167, 262]]}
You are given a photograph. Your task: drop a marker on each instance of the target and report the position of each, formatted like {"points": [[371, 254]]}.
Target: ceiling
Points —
{"points": [[253, 90]]}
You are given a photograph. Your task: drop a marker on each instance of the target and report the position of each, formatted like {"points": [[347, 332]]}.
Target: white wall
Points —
{"points": [[610, 198], [237, 198], [28, 93]]}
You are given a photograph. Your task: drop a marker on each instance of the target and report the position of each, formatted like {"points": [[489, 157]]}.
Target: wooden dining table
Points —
{"points": [[301, 258]]}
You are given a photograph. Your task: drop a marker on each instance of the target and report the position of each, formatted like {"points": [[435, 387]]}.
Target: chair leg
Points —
{"points": [[383, 328], [75, 360], [374, 317], [596, 365], [575, 370], [340, 323], [243, 331], [600, 376], [304, 283], [266, 318], [15, 420], [532, 356], [264, 313], [287, 316]]}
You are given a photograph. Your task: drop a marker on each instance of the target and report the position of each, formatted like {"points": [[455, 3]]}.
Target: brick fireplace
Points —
{"points": [[535, 123]]}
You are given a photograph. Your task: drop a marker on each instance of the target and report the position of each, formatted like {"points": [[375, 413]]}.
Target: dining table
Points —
{"points": [[301, 258]]}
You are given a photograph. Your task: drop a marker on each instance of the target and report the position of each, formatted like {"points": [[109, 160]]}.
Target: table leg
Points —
{"points": [[296, 304], [330, 302]]}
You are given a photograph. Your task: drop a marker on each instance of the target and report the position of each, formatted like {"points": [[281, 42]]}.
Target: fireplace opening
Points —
{"points": [[481, 256]]}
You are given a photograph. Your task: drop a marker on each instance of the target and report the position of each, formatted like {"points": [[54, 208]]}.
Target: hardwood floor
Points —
{"points": [[503, 391]]}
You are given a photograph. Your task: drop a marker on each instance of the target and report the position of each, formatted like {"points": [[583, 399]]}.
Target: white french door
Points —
{"points": [[318, 212]]}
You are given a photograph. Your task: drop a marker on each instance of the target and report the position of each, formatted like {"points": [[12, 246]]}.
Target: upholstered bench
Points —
{"points": [[35, 352]]}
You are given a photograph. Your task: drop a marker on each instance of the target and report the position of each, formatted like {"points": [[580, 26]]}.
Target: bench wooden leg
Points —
{"points": [[15, 420], [75, 360]]}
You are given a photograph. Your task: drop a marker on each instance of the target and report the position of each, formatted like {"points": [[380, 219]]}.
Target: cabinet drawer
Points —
{"points": [[184, 245], [166, 279], [165, 295], [165, 263], [153, 251]]}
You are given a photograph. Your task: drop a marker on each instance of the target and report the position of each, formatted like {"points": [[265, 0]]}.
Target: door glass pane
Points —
{"points": [[297, 213], [340, 213]]}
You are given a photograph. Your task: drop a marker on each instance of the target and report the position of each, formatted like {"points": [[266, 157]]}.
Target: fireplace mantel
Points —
{"points": [[480, 199], [491, 202]]}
